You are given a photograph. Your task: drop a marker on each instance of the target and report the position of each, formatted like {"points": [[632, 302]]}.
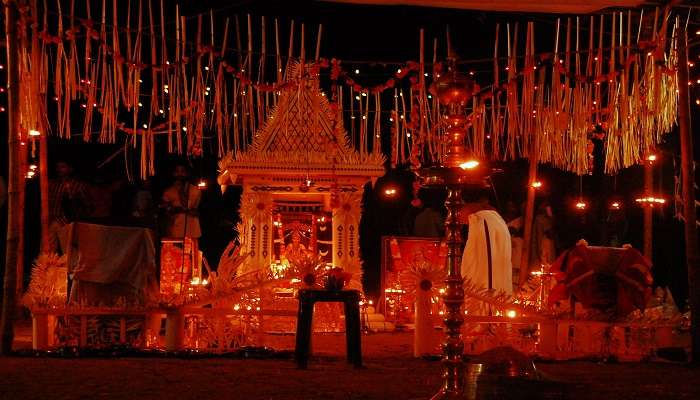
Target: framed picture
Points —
{"points": [[397, 253]]}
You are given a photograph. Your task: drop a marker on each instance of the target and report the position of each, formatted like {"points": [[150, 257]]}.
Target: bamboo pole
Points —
{"points": [[529, 212], [260, 96], [318, 43], [302, 51], [44, 174], [278, 58], [648, 210], [290, 51], [238, 43], [422, 98], [20, 168], [534, 154], [692, 252], [14, 210]]}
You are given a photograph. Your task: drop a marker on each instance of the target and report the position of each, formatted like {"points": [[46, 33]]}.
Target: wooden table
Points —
{"points": [[351, 302]]}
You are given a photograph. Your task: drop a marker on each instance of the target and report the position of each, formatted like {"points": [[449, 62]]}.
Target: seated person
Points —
{"points": [[295, 250]]}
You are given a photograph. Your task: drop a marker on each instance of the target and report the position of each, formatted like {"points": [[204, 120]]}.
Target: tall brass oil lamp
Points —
{"points": [[456, 171]]}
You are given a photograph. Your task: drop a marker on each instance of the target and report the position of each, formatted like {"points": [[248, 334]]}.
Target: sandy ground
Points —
{"points": [[390, 373]]}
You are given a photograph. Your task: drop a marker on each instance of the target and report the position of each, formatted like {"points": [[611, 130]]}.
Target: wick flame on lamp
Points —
{"points": [[650, 201], [581, 205], [471, 164], [536, 184], [390, 191], [202, 184]]}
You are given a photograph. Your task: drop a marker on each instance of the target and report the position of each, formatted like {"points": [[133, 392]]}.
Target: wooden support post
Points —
{"points": [[44, 189], [14, 180], [21, 170], [529, 214], [692, 253]]}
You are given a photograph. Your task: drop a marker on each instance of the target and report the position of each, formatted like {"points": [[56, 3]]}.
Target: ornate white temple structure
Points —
{"points": [[302, 181]]}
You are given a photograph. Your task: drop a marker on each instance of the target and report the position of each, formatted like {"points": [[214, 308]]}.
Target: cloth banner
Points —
{"points": [[107, 263]]}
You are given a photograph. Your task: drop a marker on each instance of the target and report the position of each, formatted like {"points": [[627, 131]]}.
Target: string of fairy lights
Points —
{"points": [[359, 71]]}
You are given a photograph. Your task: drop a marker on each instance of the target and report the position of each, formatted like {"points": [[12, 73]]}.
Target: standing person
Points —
{"points": [[543, 249], [428, 222], [67, 202], [100, 195], [143, 206], [181, 201], [615, 228], [514, 221], [486, 258]]}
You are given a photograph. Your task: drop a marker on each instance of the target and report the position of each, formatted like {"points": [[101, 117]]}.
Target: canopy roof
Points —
{"points": [[542, 6], [303, 137]]}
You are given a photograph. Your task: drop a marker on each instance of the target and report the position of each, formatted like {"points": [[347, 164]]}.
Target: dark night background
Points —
{"points": [[389, 36]]}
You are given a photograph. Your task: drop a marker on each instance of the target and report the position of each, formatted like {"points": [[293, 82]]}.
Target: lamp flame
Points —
{"points": [[471, 164]]}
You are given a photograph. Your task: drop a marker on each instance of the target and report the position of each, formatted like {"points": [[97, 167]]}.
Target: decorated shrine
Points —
{"points": [[302, 181], [584, 101]]}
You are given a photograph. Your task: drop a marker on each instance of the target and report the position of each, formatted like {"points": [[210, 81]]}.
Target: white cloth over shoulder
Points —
{"points": [[475, 257]]}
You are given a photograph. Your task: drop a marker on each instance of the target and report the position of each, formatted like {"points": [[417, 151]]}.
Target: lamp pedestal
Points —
{"points": [[456, 180]]}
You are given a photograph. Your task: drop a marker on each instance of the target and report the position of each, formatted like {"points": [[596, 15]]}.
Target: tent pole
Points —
{"points": [[44, 188], [14, 178], [648, 208], [529, 214]]}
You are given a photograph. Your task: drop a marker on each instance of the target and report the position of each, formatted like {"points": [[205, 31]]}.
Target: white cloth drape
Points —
{"points": [[109, 262], [475, 256]]}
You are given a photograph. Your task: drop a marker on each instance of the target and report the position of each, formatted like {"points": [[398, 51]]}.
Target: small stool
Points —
{"points": [[351, 302]]}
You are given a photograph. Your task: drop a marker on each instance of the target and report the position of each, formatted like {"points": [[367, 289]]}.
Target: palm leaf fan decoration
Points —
{"points": [[48, 285], [476, 296], [421, 275], [309, 270]]}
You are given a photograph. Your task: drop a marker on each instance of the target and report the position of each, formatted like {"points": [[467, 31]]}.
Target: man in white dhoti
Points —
{"points": [[486, 258]]}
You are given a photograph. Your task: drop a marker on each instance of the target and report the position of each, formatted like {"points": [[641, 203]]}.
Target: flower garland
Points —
{"points": [[633, 99]]}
